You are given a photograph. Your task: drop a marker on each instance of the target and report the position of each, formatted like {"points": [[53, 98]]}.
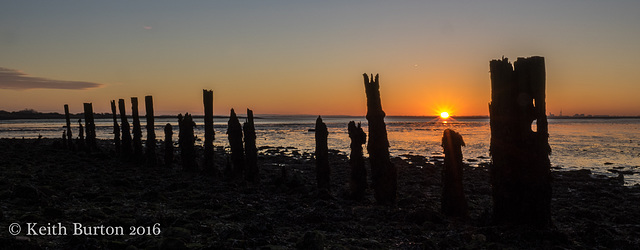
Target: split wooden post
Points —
{"points": [[358, 180], [250, 149], [521, 171], [116, 128], [137, 129], [383, 173], [209, 133], [90, 127], [186, 140], [234, 132], [127, 150], [454, 202], [150, 144], [323, 171], [168, 145], [67, 117]]}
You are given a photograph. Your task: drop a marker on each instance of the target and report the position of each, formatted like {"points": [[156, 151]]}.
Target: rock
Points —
{"points": [[311, 240]]}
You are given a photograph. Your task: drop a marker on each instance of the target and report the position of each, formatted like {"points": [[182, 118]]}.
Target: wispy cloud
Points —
{"points": [[14, 79], [147, 27]]}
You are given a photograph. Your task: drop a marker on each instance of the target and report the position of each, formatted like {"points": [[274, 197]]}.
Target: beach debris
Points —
{"points": [[137, 129], [358, 180], [520, 174], [127, 150], [186, 141], [250, 150], [234, 133], [323, 171], [150, 143], [168, 145], [209, 134], [383, 172], [69, 142], [90, 127], [116, 127], [454, 202]]}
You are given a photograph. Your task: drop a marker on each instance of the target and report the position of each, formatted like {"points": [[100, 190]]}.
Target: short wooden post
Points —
{"points": [[127, 150], [454, 202], [187, 143], [209, 133], [90, 127], [358, 180], [323, 171], [250, 149], [383, 173], [168, 145], [116, 128], [80, 142], [234, 132], [67, 117], [137, 129], [150, 144]]}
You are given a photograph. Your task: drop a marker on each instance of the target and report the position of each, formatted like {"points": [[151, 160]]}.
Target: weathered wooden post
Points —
{"points": [[116, 128], [209, 133], [521, 171], [186, 140], [90, 127], [234, 132], [358, 180], [137, 129], [323, 171], [150, 144], [80, 142], [168, 145], [454, 202], [250, 149], [383, 173], [67, 117], [127, 151]]}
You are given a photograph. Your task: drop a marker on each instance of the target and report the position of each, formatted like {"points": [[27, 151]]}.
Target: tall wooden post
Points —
{"points": [[454, 202], [137, 129], [209, 133], [250, 149], [521, 171], [90, 127], [168, 145], [127, 150], [323, 171], [150, 145], [358, 180], [67, 117], [234, 131], [383, 173], [116, 128], [187, 143]]}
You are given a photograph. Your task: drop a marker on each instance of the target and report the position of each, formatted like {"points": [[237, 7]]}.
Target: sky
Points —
{"points": [[308, 57]]}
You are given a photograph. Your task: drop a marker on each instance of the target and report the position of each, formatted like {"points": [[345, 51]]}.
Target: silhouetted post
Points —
{"points": [[454, 202], [186, 140], [358, 180], [234, 132], [137, 129], [90, 127], [150, 145], [209, 133], [67, 117], [127, 151], [80, 142], [250, 149], [521, 171], [116, 128], [168, 145], [323, 171], [383, 173]]}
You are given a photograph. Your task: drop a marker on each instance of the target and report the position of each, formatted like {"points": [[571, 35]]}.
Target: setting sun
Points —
{"points": [[444, 115]]}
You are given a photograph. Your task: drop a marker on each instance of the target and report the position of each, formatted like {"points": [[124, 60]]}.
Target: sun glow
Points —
{"points": [[444, 115]]}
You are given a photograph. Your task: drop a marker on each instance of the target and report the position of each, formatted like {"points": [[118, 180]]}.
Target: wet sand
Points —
{"points": [[41, 182]]}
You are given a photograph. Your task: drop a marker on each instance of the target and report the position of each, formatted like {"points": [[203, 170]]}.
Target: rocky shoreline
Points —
{"points": [[40, 182]]}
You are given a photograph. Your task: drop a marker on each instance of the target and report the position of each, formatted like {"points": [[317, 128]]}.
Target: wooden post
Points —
{"points": [[67, 117], [116, 128], [127, 151], [454, 202], [137, 129], [383, 173], [187, 143], [150, 145], [90, 127], [521, 171], [209, 133], [323, 171], [250, 149], [234, 131], [168, 145], [358, 180], [80, 142]]}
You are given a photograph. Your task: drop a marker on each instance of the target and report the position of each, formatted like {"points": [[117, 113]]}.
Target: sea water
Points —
{"points": [[604, 146]]}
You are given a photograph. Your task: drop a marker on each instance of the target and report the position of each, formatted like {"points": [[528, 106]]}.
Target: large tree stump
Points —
{"points": [[234, 133], [150, 144], [90, 127], [520, 173], [358, 180], [168, 145], [127, 150], [137, 129], [67, 117], [209, 133], [116, 128], [454, 202], [323, 171], [187, 143], [250, 149], [383, 173]]}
